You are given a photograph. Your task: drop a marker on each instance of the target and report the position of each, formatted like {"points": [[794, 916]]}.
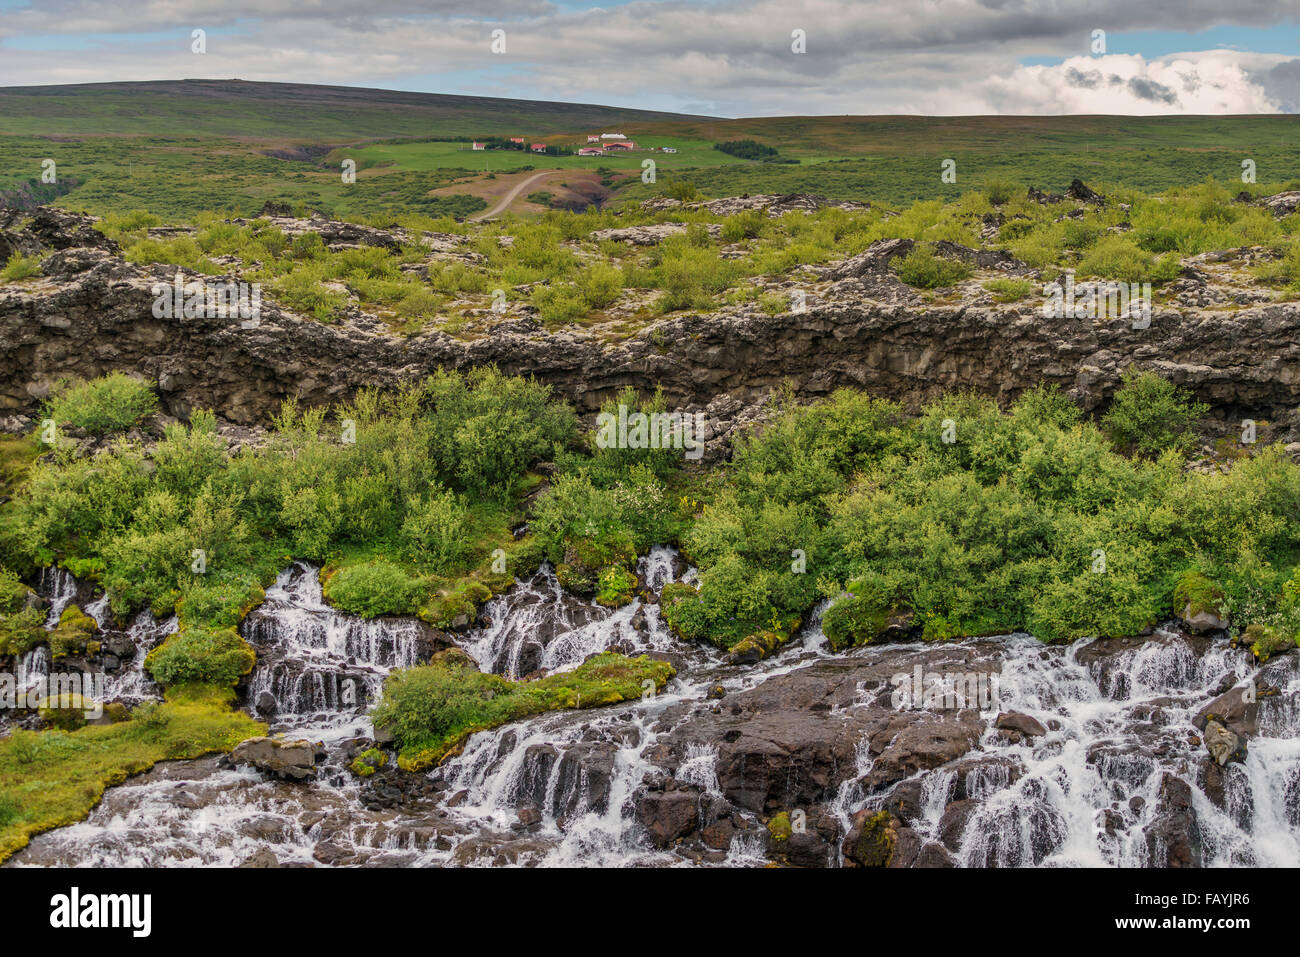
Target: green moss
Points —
{"points": [[53, 778], [779, 827], [1195, 594], [432, 709], [455, 606], [72, 633], [615, 586], [368, 762], [877, 840]]}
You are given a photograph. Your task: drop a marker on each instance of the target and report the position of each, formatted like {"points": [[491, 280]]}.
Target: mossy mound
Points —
{"points": [[615, 587], [70, 636], [217, 656], [368, 762], [1268, 640], [432, 709], [1196, 595], [67, 711]]}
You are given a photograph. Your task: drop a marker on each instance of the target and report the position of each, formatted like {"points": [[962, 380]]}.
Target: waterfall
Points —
{"points": [[318, 667], [567, 787]]}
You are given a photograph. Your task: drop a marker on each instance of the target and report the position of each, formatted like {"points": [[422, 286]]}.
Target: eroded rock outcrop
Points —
{"points": [[91, 313]]}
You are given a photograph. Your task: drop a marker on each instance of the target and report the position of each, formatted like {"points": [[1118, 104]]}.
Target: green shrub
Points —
{"points": [[110, 403], [217, 656], [1009, 290], [20, 267], [860, 615], [432, 709], [1150, 415], [434, 530], [924, 270], [376, 588]]}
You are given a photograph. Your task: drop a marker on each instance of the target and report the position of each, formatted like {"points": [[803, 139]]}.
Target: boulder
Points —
{"points": [[1026, 725], [668, 816], [1223, 745], [288, 760]]}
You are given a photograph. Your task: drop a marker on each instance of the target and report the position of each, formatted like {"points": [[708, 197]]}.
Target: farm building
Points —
{"points": [[516, 139], [591, 151], [613, 136], [621, 145], [670, 149], [593, 137], [538, 147], [479, 146]]}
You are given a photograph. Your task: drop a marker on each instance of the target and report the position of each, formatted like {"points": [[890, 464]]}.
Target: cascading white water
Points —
{"points": [[537, 626], [321, 667], [1084, 793], [60, 587]]}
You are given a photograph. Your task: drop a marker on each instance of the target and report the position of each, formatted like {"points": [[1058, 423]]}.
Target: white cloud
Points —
{"points": [[864, 56]]}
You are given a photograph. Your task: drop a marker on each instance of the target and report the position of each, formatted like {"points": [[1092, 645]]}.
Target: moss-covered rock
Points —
{"points": [[855, 619], [754, 648], [217, 656], [454, 608], [1199, 603], [368, 762], [779, 827], [71, 635], [872, 840], [615, 586], [1265, 641]]}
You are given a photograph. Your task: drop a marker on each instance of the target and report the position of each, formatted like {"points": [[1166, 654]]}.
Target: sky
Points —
{"points": [[716, 57]]}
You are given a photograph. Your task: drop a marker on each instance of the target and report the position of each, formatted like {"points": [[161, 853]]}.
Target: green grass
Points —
{"points": [[54, 778]]}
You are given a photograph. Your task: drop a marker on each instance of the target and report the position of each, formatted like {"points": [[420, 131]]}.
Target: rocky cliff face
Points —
{"points": [[92, 313]]}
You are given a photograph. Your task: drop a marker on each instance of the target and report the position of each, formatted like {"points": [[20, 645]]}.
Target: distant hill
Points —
{"points": [[288, 112]]}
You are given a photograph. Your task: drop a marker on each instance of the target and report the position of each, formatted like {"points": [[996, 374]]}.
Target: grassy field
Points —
{"points": [[180, 148]]}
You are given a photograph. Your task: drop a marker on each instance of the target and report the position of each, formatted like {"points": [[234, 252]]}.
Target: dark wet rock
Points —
{"points": [[1174, 836], [1023, 723], [261, 859], [952, 826], [919, 741], [667, 816]]}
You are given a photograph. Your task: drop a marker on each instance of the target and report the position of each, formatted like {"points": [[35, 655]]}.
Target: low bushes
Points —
{"points": [[109, 404]]}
